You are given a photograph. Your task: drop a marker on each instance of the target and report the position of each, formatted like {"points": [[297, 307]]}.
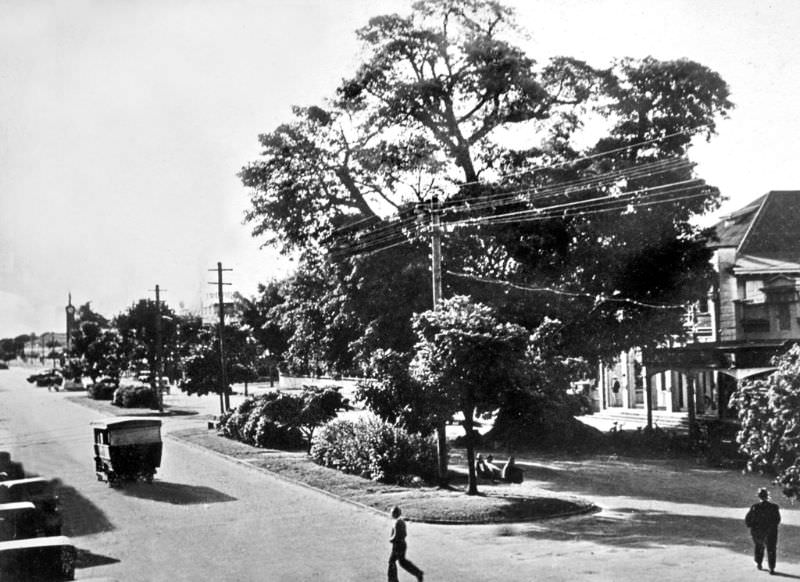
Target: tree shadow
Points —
{"points": [[174, 493], [86, 559], [677, 481], [648, 529]]}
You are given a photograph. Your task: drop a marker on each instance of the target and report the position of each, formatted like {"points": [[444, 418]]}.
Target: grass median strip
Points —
{"points": [[497, 503]]}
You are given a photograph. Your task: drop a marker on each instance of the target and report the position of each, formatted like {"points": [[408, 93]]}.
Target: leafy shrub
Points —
{"points": [[375, 450], [102, 390], [769, 415], [232, 422], [270, 434], [282, 420], [134, 396]]}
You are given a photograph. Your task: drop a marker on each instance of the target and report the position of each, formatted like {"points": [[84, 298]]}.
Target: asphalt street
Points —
{"points": [[208, 518]]}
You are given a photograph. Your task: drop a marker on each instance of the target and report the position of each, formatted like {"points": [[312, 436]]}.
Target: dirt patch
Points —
{"points": [[496, 503]]}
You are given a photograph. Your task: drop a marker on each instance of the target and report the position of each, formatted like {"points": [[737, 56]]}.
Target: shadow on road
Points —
{"points": [[640, 529], [674, 480], [175, 493], [81, 516], [86, 559]]}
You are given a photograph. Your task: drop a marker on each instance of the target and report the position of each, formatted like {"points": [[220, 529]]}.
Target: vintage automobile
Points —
{"points": [[41, 493], [127, 449], [10, 469], [49, 378], [37, 559], [18, 520]]}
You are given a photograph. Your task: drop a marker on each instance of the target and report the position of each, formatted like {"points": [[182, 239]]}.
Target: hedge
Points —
{"points": [[135, 396], [375, 450]]}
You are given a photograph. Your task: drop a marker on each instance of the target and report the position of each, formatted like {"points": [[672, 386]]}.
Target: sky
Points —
{"points": [[123, 125]]}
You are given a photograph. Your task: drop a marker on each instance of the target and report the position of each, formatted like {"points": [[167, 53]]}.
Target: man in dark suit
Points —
{"points": [[763, 519]]}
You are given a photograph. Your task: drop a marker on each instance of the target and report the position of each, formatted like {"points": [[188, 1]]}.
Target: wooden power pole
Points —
{"points": [[224, 397], [436, 281]]}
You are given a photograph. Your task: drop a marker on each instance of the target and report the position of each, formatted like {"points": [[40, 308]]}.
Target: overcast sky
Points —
{"points": [[123, 125]]}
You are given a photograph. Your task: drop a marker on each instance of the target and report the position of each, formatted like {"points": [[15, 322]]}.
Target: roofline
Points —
{"points": [[754, 221], [776, 271]]}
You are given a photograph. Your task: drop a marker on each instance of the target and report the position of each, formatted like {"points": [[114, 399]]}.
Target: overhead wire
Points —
{"points": [[596, 155], [389, 234], [597, 298], [633, 172], [367, 240], [554, 210]]}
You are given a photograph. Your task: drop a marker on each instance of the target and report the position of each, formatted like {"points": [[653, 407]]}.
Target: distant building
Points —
{"points": [[209, 311], [751, 314]]}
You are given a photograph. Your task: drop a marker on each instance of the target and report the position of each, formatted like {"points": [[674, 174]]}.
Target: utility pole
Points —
{"points": [[436, 280], [224, 397], [157, 372]]}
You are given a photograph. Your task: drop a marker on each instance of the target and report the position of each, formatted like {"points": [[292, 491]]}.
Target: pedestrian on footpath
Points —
{"points": [[763, 519], [398, 540]]}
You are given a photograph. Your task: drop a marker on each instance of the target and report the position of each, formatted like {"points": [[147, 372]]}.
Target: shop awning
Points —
{"points": [[742, 373]]}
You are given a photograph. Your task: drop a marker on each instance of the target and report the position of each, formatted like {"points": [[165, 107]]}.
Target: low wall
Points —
{"points": [[297, 382]]}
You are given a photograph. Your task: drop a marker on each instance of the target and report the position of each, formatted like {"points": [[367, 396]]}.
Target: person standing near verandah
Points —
{"points": [[763, 519], [398, 539]]}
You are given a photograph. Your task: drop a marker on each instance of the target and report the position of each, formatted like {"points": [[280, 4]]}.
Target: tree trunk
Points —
{"points": [[472, 478], [441, 437]]}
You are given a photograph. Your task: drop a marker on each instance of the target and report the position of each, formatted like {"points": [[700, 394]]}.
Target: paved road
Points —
{"points": [[206, 518]]}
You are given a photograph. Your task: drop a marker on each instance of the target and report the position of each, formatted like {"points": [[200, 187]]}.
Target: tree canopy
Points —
{"points": [[564, 187], [769, 413], [466, 359]]}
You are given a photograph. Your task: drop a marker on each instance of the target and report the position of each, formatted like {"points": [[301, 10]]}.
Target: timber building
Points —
{"points": [[751, 314]]}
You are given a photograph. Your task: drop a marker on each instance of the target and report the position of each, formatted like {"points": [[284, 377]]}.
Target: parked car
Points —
{"points": [[18, 520], [49, 558], [42, 494], [49, 378]]}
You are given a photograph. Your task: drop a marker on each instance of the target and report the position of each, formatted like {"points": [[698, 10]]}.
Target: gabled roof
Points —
{"points": [[731, 229], [767, 228]]}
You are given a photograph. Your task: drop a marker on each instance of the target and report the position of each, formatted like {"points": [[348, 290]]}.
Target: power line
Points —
{"points": [[556, 188], [598, 299], [587, 157], [554, 210], [611, 206], [646, 169], [595, 206]]}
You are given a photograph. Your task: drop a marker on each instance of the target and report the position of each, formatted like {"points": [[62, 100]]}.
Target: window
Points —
{"points": [[784, 317], [753, 292]]}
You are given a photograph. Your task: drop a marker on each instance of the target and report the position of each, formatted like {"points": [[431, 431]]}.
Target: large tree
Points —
{"points": [[598, 235], [149, 331], [465, 359], [202, 366], [97, 351]]}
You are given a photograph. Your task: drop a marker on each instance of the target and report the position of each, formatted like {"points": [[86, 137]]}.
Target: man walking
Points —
{"points": [[398, 540], [763, 519]]}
